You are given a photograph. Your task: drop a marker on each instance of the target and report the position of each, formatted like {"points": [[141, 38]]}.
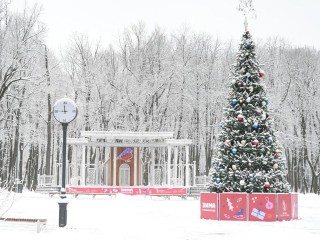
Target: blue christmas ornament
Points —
{"points": [[267, 103], [255, 125], [234, 102], [234, 151], [218, 180], [270, 140]]}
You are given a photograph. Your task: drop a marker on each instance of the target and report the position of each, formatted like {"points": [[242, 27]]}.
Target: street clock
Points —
{"points": [[65, 110]]}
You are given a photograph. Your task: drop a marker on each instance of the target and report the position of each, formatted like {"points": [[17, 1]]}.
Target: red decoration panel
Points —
{"points": [[262, 207], [209, 206], [233, 206], [284, 206]]}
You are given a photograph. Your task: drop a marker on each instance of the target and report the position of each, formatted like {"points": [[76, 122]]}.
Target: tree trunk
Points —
{"points": [[49, 118]]}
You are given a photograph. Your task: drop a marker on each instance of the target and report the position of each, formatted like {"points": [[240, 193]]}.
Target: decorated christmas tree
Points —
{"points": [[248, 157]]}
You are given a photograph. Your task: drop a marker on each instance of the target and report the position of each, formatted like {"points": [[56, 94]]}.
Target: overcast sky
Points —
{"points": [[297, 21]]}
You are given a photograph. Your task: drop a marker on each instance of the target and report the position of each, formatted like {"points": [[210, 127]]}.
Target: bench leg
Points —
{"points": [[38, 227]]}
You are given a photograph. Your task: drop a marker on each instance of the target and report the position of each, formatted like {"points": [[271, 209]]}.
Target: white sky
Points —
{"points": [[297, 21]]}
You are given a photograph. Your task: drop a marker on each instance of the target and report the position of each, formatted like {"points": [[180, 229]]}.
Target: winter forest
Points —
{"points": [[149, 81]]}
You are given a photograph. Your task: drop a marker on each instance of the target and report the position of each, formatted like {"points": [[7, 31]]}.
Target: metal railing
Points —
{"points": [[45, 180], [176, 182], [202, 180]]}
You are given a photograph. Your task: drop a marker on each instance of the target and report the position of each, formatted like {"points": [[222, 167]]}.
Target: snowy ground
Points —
{"points": [[139, 217]]}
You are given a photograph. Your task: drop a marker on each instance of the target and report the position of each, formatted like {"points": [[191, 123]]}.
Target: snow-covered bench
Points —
{"points": [[41, 223], [75, 195], [195, 191]]}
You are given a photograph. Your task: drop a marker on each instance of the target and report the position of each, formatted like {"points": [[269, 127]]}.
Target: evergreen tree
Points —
{"points": [[248, 157]]}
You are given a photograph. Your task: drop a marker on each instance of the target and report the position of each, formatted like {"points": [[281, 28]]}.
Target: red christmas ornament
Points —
{"points": [[277, 152], [240, 118], [267, 185], [261, 73], [255, 142]]}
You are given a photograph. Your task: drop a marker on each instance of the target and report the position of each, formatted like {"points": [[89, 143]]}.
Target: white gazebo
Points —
{"points": [[122, 166]]}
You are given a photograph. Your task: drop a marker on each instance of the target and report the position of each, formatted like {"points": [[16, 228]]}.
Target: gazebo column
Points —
{"points": [[187, 166], [181, 174], [194, 173], [152, 166], [106, 173], [96, 166], [169, 167], [141, 167], [75, 165], [83, 166], [135, 166], [54, 171], [114, 173], [175, 163]]}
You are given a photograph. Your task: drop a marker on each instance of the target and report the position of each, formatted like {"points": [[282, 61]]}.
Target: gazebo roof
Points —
{"points": [[126, 135], [133, 139]]}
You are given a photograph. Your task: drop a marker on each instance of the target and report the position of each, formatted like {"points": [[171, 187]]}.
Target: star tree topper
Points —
{"points": [[246, 7]]}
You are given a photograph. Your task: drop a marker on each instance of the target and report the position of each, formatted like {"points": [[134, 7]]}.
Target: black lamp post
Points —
{"points": [[64, 111]]}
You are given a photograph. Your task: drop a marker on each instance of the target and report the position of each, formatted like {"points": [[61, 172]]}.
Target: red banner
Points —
{"points": [[284, 206], [127, 190], [294, 205], [233, 206], [209, 206], [105, 190], [262, 207], [167, 191], [88, 190]]}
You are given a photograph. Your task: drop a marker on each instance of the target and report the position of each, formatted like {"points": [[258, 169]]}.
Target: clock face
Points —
{"points": [[65, 110]]}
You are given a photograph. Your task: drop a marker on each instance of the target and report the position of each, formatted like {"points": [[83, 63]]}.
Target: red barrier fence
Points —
{"points": [[252, 207]]}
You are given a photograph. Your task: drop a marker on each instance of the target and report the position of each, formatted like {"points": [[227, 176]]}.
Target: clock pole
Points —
{"points": [[64, 111], [63, 203], [64, 159]]}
